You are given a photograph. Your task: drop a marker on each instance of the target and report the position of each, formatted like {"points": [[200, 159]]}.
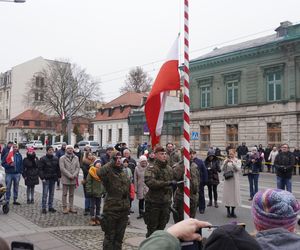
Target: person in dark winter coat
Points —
{"points": [[284, 163], [203, 179], [296, 154], [107, 157], [212, 165], [30, 174], [253, 162], [49, 173]]}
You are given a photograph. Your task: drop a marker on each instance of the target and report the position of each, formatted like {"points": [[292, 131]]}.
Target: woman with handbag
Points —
{"points": [[231, 189], [253, 164]]}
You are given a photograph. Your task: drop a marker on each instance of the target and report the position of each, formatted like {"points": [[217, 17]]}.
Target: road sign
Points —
{"points": [[195, 136]]}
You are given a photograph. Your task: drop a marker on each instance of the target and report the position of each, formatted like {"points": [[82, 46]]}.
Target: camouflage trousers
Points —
{"points": [[114, 225], [178, 206], [156, 216]]}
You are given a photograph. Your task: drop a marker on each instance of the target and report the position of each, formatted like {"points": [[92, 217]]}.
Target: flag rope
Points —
{"points": [[186, 127]]}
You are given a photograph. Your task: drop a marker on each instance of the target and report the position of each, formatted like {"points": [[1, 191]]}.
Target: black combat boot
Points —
{"points": [[228, 212], [209, 203], [233, 215]]}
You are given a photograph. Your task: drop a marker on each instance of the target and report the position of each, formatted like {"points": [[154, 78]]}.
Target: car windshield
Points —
{"points": [[94, 143]]}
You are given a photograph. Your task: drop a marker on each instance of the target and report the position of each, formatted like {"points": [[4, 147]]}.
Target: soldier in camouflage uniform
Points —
{"points": [[172, 155], [159, 178], [116, 206], [178, 172]]}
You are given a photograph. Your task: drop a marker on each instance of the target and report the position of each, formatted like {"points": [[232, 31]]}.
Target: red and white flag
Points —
{"points": [[10, 156], [63, 116], [167, 79]]}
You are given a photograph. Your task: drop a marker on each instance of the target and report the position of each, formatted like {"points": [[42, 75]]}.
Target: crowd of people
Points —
{"points": [[156, 181]]}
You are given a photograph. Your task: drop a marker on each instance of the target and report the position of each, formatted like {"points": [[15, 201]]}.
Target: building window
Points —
{"points": [[7, 95], [39, 82], [26, 123], [120, 139], [36, 96], [204, 137], [37, 123], [48, 124], [232, 134], [41, 97], [232, 92], [205, 97], [7, 115], [274, 134], [274, 80], [176, 135], [109, 135]]}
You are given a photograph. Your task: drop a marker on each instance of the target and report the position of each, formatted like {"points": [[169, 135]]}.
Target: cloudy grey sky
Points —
{"points": [[108, 38]]}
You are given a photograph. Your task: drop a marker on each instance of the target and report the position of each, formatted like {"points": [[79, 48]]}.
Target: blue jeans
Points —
{"points": [[48, 188], [253, 184], [283, 183], [9, 179], [87, 203]]}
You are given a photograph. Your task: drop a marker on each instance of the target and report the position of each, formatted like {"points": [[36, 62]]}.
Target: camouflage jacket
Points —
{"points": [[117, 186], [157, 178], [178, 172], [173, 158]]}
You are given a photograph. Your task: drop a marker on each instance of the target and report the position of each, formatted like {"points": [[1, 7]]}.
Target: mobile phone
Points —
{"points": [[192, 245], [18, 245]]}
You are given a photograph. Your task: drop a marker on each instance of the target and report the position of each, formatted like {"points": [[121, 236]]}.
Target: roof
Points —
{"points": [[32, 115], [241, 46], [117, 114], [128, 98]]}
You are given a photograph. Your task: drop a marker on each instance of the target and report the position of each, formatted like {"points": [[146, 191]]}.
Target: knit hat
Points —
{"points": [[30, 150], [124, 159], [272, 208], [69, 146], [97, 161], [143, 158], [231, 237]]}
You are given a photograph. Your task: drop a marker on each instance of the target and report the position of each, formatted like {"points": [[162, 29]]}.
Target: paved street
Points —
{"points": [[58, 231]]}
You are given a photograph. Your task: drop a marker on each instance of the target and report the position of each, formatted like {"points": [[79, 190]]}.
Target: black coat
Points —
{"points": [[30, 170], [284, 163], [49, 168], [213, 170]]}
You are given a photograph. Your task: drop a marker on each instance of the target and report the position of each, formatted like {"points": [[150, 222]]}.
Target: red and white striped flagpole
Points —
{"points": [[186, 127]]}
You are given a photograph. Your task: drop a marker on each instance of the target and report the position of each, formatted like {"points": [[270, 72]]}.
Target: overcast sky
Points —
{"points": [[108, 38]]}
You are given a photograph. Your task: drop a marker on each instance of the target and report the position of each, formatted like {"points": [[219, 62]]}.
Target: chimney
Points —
{"points": [[282, 30]]}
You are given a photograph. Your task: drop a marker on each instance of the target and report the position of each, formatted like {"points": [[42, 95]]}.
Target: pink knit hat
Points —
{"points": [[272, 208]]}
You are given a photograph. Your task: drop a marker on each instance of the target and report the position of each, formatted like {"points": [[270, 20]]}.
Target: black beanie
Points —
{"points": [[231, 237]]}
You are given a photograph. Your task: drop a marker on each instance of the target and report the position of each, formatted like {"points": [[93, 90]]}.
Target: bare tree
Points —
{"points": [[137, 80], [62, 89]]}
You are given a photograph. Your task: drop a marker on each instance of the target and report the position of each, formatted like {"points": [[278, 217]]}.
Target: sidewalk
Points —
{"points": [[56, 231]]}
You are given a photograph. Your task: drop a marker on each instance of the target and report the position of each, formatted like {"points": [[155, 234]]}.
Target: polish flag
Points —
{"points": [[63, 116], [10, 156], [167, 79]]}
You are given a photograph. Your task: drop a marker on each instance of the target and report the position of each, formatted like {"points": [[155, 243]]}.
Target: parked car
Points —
{"points": [[95, 146], [57, 145], [102, 149], [35, 144]]}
